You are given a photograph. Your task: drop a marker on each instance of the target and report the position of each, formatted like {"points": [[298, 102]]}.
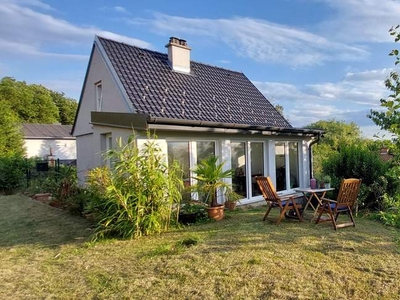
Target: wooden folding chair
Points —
{"points": [[347, 197], [285, 203]]}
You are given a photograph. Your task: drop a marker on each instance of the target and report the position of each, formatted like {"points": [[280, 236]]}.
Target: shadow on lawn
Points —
{"points": [[247, 230], [25, 221]]}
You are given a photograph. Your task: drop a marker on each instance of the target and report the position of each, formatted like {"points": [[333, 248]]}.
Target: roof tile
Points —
{"points": [[208, 93]]}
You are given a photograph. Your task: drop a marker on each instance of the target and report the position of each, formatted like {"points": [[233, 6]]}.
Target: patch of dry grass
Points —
{"points": [[45, 253]]}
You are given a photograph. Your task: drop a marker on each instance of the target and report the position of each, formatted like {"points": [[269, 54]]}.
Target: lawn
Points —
{"points": [[46, 253]]}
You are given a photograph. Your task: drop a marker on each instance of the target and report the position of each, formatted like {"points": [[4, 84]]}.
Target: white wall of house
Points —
{"points": [[85, 156], [61, 148], [112, 98]]}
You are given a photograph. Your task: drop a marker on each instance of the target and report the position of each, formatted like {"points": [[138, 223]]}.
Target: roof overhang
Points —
{"points": [[145, 121]]}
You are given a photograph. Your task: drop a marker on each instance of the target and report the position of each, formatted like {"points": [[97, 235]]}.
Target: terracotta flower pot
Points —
{"points": [[216, 213], [231, 205]]}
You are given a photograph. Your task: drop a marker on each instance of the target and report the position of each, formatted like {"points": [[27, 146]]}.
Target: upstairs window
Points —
{"points": [[99, 96]]}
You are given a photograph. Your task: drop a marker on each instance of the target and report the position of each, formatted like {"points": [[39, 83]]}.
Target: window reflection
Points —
{"points": [[280, 166], [238, 163], [294, 164], [257, 165], [179, 151], [204, 150]]}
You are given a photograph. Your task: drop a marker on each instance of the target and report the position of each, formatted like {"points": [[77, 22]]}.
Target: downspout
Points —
{"points": [[310, 153]]}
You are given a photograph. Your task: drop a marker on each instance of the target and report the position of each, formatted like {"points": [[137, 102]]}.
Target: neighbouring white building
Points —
{"points": [[54, 140]]}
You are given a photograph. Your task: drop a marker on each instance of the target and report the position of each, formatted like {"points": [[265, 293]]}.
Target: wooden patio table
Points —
{"points": [[310, 193]]}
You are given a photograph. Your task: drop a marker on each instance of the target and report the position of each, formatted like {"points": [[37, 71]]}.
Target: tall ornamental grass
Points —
{"points": [[136, 196]]}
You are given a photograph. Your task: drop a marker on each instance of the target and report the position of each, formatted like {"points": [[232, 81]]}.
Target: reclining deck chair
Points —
{"points": [[285, 203], [344, 203]]}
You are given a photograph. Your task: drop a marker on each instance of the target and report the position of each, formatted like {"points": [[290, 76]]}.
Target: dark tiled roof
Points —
{"points": [[47, 131], [208, 94]]}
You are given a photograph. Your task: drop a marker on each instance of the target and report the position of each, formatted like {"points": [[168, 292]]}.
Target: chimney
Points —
{"points": [[179, 55]]}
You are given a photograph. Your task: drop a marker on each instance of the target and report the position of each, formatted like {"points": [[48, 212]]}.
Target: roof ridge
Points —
{"points": [[165, 54]]}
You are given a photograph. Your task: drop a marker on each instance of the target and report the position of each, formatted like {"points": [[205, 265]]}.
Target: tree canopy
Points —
{"points": [[36, 104], [389, 118], [11, 140], [336, 134]]}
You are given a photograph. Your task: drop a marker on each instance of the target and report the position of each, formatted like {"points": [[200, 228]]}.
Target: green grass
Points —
{"points": [[46, 253]]}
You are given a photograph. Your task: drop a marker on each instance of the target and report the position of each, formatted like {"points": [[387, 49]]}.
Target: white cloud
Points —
{"points": [[21, 48], [349, 99], [120, 9], [369, 75], [33, 3], [259, 40], [361, 20], [70, 86], [35, 33]]}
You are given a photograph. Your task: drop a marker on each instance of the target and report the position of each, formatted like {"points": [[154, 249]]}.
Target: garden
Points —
{"points": [[120, 237], [48, 253]]}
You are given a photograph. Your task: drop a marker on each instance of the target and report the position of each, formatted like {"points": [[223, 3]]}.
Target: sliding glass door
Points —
{"points": [[257, 165], [286, 165], [238, 163]]}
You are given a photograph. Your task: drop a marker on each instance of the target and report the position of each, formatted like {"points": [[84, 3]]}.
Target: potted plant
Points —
{"points": [[191, 212], [231, 198], [210, 175], [327, 180]]}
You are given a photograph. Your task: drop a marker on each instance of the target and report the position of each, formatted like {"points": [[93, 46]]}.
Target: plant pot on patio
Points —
{"points": [[216, 212], [230, 205], [231, 199], [191, 212], [210, 177]]}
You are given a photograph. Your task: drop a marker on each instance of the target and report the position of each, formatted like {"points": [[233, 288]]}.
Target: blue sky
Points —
{"points": [[319, 59]]}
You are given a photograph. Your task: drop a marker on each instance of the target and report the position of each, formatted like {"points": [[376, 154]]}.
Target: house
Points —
{"points": [[195, 109], [384, 154], [53, 141]]}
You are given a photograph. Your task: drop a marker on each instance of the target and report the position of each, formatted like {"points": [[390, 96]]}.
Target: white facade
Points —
{"points": [[88, 142], [63, 149], [296, 164]]}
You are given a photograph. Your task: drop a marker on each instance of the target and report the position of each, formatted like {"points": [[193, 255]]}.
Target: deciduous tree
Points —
{"points": [[66, 107], [36, 104], [11, 140], [389, 118], [336, 133]]}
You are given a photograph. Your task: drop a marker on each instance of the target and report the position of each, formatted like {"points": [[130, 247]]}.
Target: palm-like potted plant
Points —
{"points": [[210, 175], [231, 198]]}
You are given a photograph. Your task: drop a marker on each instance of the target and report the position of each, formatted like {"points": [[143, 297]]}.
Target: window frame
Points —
{"points": [[106, 145], [99, 95], [287, 163]]}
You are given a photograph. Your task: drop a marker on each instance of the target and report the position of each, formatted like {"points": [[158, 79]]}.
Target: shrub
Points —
{"points": [[390, 213], [357, 161], [12, 171], [136, 196]]}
